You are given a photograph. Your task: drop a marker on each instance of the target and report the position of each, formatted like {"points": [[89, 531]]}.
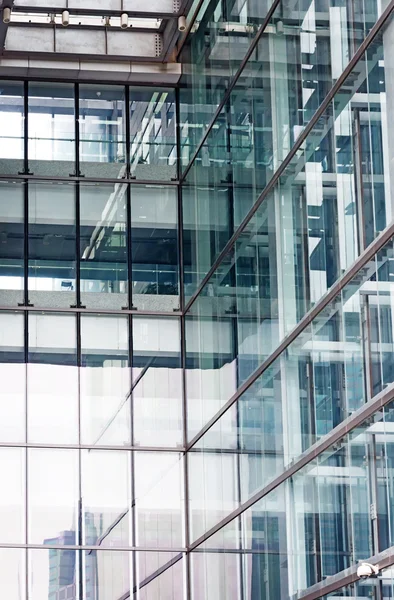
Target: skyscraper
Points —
{"points": [[196, 314]]}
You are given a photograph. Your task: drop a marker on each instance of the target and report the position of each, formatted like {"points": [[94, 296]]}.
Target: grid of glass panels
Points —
{"points": [[139, 446]]}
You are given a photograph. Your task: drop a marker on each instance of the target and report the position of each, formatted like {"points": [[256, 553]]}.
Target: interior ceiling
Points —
{"points": [[39, 32]]}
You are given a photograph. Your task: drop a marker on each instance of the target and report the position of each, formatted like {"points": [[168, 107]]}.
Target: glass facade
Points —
{"points": [[196, 317]]}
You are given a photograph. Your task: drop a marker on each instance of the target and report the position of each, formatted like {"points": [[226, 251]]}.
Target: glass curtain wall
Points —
{"points": [[196, 316], [91, 402], [285, 153]]}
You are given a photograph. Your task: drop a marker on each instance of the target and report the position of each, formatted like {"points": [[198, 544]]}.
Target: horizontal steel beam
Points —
{"points": [[146, 11], [135, 8]]}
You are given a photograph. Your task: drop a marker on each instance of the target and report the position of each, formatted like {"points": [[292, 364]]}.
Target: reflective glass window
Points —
{"points": [[107, 575], [153, 579], [157, 382], [11, 243], [103, 246], [51, 129], [12, 498], [159, 497], [13, 378], [52, 379], [11, 127], [105, 380], [154, 244], [54, 574], [106, 493], [52, 496], [102, 131], [153, 152], [52, 250]]}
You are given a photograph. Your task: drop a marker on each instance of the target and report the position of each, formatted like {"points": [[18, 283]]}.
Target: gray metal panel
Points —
{"points": [[105, 5], [30, 39], [52, 3], [129, 43], [154, 6], [80, 41]]}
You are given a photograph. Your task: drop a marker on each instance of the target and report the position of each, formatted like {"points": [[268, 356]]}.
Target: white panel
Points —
{"points": [[29, 39], [107, 333], [11, 330], [156, 335], [80, 42], [47, 332]]}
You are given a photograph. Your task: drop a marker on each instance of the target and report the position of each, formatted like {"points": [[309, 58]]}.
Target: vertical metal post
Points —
{"points": [[185, 457], [77, 133], [179, 204], [128, 204], [26, 196], [132, 462]]}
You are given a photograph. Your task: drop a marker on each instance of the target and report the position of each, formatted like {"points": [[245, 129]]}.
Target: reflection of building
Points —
{"points": [[62, 568]]}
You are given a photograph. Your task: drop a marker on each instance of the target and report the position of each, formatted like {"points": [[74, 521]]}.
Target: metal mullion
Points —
{"points": [[129, 247], [179, 204], [77, 133], [185, 456], [132, 457], [77, 247], [26, 497], [80, 504], [26, 245]]}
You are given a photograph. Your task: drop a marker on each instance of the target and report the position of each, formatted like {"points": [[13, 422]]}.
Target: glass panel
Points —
{"points": [[106, 497], [153, 583], [11, 242], [54, 574], [13, 378], [52, 244], [154, 239], [12, 497], [11, 127], [159, 497], [152, 133], [52, 379], [107, 575], [215, 576], [105, 380], [157, 382], [103, 246], [53, 496], [51, 129], [12, 574], [102, 131]]}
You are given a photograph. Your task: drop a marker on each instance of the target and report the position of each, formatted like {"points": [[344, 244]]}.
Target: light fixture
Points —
{"points": [[65, 18], [6, 14], [124, 20], [182, 23]]}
